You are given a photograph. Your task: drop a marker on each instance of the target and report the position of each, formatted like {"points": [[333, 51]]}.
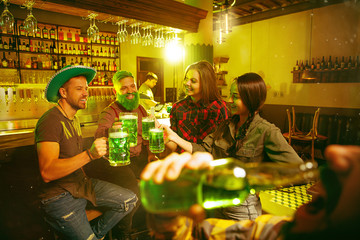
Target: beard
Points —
{"points": [[129, 104]]}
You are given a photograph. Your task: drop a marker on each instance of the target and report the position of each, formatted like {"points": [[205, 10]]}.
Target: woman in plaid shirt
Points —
{"points": [[198, 114], [247, 137]]}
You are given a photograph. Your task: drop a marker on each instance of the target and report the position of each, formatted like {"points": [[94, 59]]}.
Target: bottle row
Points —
{"points": [[53, 32], [53, 62], [64, 48], [328, 64]]}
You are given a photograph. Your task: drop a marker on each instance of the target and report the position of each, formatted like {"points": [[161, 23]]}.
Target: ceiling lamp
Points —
{"points": [[223, 23]]}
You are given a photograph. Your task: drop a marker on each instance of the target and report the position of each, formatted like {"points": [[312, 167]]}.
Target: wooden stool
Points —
{"points": [[91, 214]]}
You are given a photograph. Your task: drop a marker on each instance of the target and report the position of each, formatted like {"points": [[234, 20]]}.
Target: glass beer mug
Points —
{"points": [[119, 147]]}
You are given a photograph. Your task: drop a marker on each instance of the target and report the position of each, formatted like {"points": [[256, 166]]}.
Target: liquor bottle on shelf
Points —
{"points": [[115, 67], [11, 61], [112, 41], [14, 44], [1, 43], [107, 39], [228, 183], [45, 33], [55, 65], [81, 51], [27, 46], [22, 30], [23, 46], [88, 50], [72, 62], [356, 62], [32, 46], [329, 63], [307, 66], [70, 49], [312, 66], [10, 44], [342, 63], [102, 38], [55, 48], [336, 63], [4, 61], [322, 64], [6, 46], [47, 50], [81, 61], [76, 61], [101, 54], [108, 66], [52, 33], [97, 53], [349, 63], [105, 53], [318, 64], [66, 50], [98, 66], [38, 32], [61, 34], [69, 35], [42, 47], [103, 66], [77, 36]]}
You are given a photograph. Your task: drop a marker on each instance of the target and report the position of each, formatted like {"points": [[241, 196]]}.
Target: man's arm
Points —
{"points": [[52, 167]]}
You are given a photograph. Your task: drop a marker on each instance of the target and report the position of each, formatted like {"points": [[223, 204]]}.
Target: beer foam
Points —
{"points": [[118, 135], [156, 130], [128, 117], [148, 120]]}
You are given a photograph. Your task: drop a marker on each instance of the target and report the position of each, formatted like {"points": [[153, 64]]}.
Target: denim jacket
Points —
{"points": [[263, 142]]}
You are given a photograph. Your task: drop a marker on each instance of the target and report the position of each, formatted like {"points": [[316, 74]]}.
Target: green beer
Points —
{"points": [[119, 150], [227, 184], [156, 140], [130, 121], [147, 124]]}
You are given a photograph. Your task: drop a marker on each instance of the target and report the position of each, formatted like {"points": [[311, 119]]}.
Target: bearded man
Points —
{"points": [[127, 100]]}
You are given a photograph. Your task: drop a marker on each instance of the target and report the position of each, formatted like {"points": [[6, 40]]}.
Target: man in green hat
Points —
{"points": [[67, 190], [127, 100]]}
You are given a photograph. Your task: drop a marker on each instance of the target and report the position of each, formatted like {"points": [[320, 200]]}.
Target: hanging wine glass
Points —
{"points": [[7, 19], [30, 23], [96, 30], [93, 30]]}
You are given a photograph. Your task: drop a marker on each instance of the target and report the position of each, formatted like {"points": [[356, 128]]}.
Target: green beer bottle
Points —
{"points": [[228, 183]]}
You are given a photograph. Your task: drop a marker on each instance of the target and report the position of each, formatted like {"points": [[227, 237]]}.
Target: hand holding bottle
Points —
{"points": [[180, 181], [170, 168]]}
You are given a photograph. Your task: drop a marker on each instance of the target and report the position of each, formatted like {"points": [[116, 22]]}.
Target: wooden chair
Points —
{"points": [[301, 136]]}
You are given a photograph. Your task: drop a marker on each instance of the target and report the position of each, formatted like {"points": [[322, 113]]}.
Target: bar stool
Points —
{"points": [[303, 137], [91, 214]]}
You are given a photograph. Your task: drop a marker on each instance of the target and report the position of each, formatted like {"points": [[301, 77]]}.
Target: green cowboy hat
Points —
{"points": [[64, 75]]}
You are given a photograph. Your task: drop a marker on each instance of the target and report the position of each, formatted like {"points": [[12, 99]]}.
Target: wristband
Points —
{"points": [[88, 153]]}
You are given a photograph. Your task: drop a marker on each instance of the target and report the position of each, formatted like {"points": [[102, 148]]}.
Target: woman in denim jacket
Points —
{"points": [[245, 136]]}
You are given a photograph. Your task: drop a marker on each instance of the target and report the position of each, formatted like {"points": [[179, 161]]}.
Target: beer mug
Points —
{"points": [[156, 140], [130, 121], [119, 149], [147, 124]]}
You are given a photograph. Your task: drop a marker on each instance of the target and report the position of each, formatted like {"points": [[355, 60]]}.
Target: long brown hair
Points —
{"points": [[252, 91], [209, 89]]}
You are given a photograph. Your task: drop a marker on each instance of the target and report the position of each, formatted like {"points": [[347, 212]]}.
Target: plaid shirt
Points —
{"points": [[194, 121]]}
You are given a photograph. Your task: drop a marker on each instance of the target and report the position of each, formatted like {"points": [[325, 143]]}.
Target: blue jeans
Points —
{"points": [[67, 214]]}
